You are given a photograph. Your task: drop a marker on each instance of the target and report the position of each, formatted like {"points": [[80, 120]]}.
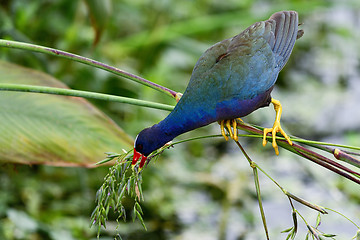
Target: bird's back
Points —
{"points": [[235, 76]]}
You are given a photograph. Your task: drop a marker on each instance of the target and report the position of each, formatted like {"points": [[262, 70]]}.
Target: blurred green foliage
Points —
{"points": [[51, 129], [203, 189]]}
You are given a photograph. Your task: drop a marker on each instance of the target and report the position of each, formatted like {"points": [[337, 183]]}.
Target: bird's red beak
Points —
{"points": [[136, 157]]}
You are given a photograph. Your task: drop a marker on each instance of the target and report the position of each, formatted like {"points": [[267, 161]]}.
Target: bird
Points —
{"points": [[230, 80]]}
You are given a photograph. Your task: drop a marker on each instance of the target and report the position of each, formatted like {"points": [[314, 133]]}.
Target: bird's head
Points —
{"points": [[147, 141]]}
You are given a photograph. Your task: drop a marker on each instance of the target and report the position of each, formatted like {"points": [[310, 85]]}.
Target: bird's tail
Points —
{"points": [[284, 31]]}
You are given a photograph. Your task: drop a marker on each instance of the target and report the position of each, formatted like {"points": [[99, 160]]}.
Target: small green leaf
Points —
{"points": [[93, 214], [129, 187], [113, 185], [329, 235], [98, 194], [357, 235], [99, 230], [141, 195], [121, 194], [287, 230], [124, 213], [138, 207], [318, 220], [134, 214], [103, 221], [288, 236], [107, 209], [104, 161], [141, 220], [294, 216], [312, 232], [103, 211]]}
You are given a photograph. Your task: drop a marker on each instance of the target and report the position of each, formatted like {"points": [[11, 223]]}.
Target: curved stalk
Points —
{"points": [[84, 94], [87, 61]]}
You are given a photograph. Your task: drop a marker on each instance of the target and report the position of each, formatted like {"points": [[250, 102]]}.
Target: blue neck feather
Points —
{"points": [[184, 118]]}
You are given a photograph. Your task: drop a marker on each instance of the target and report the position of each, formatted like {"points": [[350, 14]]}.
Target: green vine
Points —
{"points": [[84, 94]]}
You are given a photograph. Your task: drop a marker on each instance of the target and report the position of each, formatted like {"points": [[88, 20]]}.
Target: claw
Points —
{"points": [[236, 138], [223, 130], [229, 124], [276, 127]]}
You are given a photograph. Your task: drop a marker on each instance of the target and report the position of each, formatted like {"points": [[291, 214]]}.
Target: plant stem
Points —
{"points": [[87, 61], [317, 143], [305, 203], [257, 132], [343, 217], [253, 165], [84, 94], [340, 154], [311, 155], [225, 211], [292, 196]]}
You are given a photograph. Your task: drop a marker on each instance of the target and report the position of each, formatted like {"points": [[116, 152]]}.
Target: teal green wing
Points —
{"points": [[247, 64]]}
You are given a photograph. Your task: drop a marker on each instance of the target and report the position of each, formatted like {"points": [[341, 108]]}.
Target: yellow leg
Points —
{"points": [[276, 127], [236, 138], [232, 132], [223, 130], [228, 126]]}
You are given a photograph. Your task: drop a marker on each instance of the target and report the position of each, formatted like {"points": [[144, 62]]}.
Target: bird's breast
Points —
{"points": [[237, 107]]}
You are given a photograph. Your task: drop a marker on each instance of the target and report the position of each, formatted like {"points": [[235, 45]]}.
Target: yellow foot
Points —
{"points": [[228, 124], [276, 127]]}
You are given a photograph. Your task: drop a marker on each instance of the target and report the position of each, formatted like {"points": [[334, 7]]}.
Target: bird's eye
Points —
{"points": [[139, 147]]}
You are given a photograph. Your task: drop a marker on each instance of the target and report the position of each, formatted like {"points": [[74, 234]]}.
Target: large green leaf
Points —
{"points": [[49, 129]]}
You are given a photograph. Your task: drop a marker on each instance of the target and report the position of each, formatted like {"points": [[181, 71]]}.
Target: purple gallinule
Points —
{"points": [[231, 79]]}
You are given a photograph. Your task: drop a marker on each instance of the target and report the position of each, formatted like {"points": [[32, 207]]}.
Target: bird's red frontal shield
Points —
{"points": [[136, 157]]}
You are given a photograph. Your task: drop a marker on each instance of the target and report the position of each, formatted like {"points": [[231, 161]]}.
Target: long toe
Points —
{"points": [[236, 138], [222, 128], [228, 126]]}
